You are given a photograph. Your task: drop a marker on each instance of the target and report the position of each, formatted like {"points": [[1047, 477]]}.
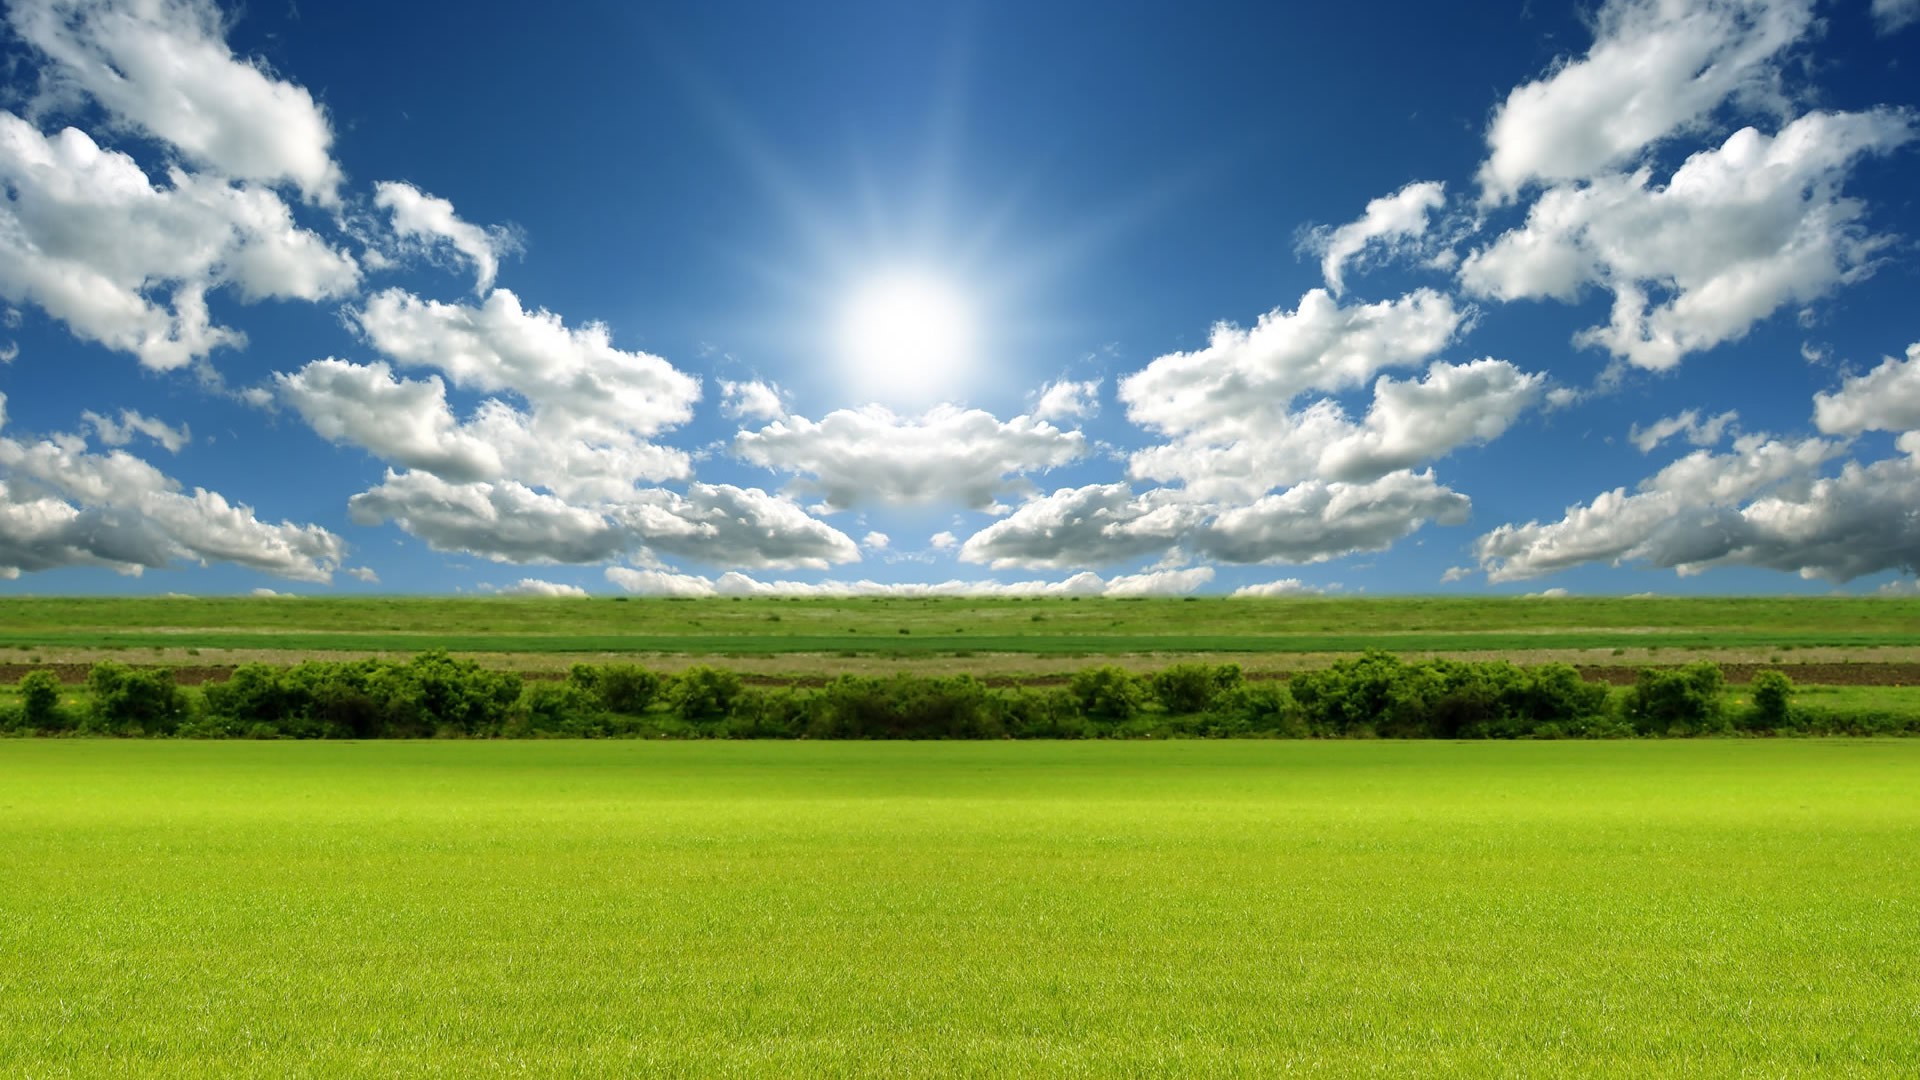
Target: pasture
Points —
{"points": [[978, 635], [1113, 908]]}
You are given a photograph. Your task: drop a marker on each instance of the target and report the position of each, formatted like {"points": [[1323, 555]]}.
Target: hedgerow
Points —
{"points": [[434, 695]]}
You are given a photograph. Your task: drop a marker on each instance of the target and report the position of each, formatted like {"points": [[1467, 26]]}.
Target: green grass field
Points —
{"points": [[1719, 907], [919, 627]]}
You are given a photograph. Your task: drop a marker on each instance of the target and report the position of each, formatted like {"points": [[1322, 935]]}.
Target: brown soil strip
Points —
{"points": [[1866, 673]]}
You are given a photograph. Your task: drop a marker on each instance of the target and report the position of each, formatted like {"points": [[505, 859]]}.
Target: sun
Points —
{"points": [[907, 338]]}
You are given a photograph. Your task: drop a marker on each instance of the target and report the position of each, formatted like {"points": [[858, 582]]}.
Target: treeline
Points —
{"points": [[1377, 695]]}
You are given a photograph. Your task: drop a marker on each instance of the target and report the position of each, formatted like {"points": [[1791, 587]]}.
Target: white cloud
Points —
{"points": [[1762, 504], [1280, 587], [85, 235], [62, 505], [870, 455], [751, 400], [1547, 594], [505, 521], [431, 221], [1656, 68], [363, 573], [1408, 422], [656, 582], [163, 67], [1411, 422], [875, 541], [1319, 520], [1884, 399], [498, 347], [536, 587], [1390, 222], [1899, 587], [1735, 234], [1891, 16], [122, 431], [1456, 573], [943, 541], [1086, 526], [1243, 375], [1064, 399], [1688, 424]]}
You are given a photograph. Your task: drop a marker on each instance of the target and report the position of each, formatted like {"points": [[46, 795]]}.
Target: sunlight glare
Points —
{"points": [[907, 338]]}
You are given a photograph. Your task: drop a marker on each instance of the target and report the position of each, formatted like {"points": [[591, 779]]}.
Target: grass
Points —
{"points": [[903, 627], [1696, 907]]}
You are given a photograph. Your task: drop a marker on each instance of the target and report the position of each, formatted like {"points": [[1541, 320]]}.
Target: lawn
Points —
{"points": [[483, 908]]}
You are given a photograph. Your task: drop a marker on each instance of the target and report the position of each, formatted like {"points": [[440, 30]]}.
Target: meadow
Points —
{"points": [[1700, 907], [934, 627]]}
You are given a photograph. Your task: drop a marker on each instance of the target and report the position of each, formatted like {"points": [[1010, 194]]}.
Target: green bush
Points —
{"points": [[1110, 693], [703, 696], [561, 708], [1053, 713], [1682, 701], [621, 688], [133, 701], [1190, 688], [905, 707], [40, 703], [1772, 701]]}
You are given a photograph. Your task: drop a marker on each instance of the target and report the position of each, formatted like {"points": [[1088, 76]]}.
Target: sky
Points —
{"points": [[1061, 298]]}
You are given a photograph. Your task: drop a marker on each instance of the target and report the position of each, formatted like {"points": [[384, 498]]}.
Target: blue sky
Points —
{"points": [[1085, 298]]}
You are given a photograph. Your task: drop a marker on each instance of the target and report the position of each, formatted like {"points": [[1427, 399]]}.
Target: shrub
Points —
{"points": [[1683, 701], [1110, 693], [621, 688], [1253, 709], [703, 696], [1052, 713], [1191, 688], [1772, 701], [40, 702], [905, 707], [562, 708], [134, 701]]}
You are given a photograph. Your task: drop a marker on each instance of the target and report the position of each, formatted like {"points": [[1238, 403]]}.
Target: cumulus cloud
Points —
{"points": [[1390, 223], [536, 587], [64, 505], [431, 222], [1086, 526], [1762, 504], [1319, 520], [1408, 422], [1884, 399], [505, 521], [1216, 392], [498, 346], [657, 582], [751, 400], [121, 432], [1891, 16], [86, 236], [1064, 399], [1281, 587], [1656, 68], [1736, 233], [162, 67], [870, 455], [363, 574], [875, 541], [1696, 431]]}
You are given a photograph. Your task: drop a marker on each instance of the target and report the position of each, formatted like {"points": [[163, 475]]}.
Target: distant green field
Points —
{"points": [[918, 627], [289, 909]]}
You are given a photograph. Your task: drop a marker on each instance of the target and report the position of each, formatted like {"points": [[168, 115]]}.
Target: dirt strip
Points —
{"points": [[1867, 673]]}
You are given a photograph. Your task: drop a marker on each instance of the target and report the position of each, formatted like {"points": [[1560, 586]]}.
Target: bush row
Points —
{"points": [[436, 695]]}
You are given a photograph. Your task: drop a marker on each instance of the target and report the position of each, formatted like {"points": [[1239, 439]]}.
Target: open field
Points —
{"points": [[980, 636], [1621, 908]]}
